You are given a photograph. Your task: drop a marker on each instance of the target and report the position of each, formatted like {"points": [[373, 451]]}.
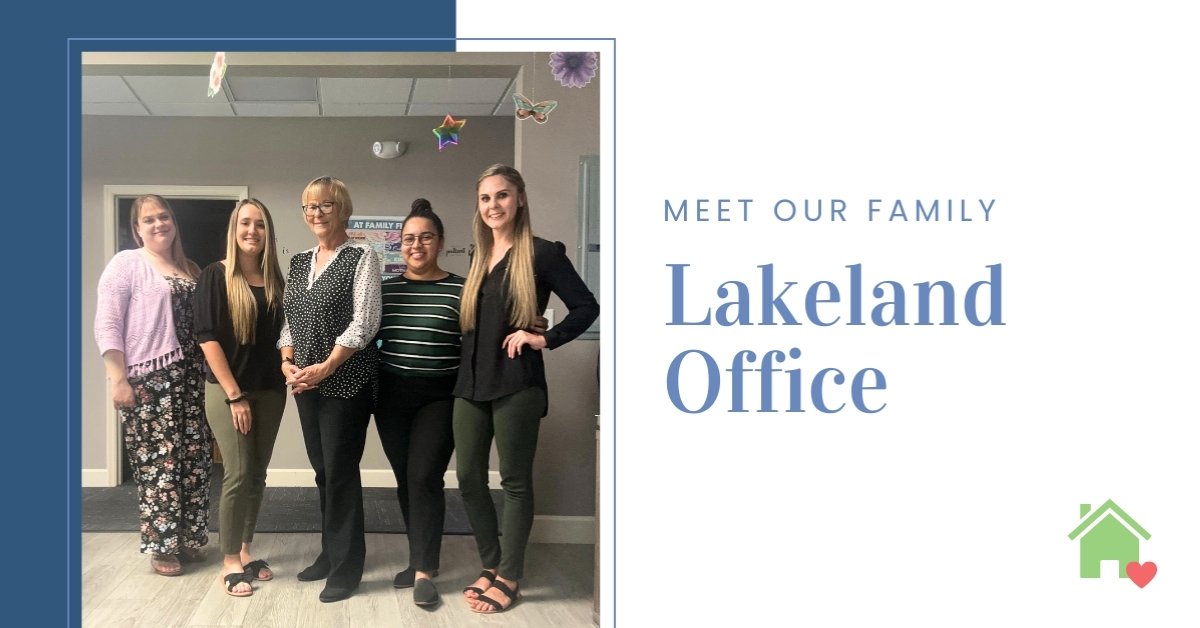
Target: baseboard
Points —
{"points": [[93, 478], [371, 478], [563, 529]]}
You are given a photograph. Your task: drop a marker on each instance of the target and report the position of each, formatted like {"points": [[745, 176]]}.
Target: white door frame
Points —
{"points": [[112, 430]]}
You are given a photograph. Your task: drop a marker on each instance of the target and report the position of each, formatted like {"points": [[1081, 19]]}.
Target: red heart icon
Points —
{"points": [[1141, 573]]}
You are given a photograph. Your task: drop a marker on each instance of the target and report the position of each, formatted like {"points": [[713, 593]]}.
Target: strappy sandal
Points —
{"points": [[234, 579], [255, 569], [487, 575], [513, 598], [165, 564]]}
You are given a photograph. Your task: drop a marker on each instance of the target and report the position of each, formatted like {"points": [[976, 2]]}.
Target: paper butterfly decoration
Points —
{"points": [[448, 132], [527, 109], [216, 73]]}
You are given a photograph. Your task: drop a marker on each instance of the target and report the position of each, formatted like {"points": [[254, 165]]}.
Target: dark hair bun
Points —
{"points": [[422, 209]]}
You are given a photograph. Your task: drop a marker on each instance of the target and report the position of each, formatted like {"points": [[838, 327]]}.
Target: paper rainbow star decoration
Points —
{"points": [[448, 132]]}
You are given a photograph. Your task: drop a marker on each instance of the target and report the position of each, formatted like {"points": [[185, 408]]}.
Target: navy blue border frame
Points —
{"points": [[75, 48]]}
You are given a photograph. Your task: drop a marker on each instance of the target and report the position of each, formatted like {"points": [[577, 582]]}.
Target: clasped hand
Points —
{"points": [[304, 379]]}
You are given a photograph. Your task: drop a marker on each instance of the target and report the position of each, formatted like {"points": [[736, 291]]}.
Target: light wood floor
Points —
{"points": [[119, 589]]}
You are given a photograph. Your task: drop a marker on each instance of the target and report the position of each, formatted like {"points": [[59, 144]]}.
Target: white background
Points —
{"points": [[952, 506]]}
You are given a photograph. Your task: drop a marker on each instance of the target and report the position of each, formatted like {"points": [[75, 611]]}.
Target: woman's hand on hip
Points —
{"points": [[514, 342]]}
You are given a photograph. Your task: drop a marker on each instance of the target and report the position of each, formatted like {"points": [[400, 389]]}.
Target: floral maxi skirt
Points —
{"points": [[169, 445]]}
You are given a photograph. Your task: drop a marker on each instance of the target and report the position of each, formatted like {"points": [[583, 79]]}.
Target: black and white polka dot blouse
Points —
{"points": [[339, 304]]}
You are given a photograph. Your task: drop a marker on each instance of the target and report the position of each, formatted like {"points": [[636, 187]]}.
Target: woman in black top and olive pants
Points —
{"points": [[501, 388], [238, 316]]}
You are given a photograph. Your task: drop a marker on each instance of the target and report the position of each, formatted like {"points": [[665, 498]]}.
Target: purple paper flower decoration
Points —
{"points": [[574, 69]]}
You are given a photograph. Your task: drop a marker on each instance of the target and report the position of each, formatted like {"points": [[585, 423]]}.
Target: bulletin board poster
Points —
{"points": [[382, 233]]}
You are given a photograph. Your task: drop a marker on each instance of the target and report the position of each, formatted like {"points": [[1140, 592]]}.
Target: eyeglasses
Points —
{"points": [[324, 208], [425, 238]]}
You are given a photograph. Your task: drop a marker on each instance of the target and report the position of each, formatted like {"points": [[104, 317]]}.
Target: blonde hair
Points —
{"points": [[519, 278], [243, 310], [337, 189], [177, 256]]}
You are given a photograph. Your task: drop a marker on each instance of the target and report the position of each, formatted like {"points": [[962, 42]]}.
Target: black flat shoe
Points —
{"points": [[312, 572], [405, 579], [335, 594], [424, 593]]}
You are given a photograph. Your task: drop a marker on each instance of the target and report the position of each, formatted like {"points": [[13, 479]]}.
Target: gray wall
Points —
{"points": [[275, 157]]}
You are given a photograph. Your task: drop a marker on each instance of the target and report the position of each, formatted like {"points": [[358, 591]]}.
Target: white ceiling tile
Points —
{"points": [[114, 109], [480, 90], [190, 109], [456, 110], [365, 90], [298, 109], [352, 110], [106, 89], [340, 96], [175, 89], [273, 89]]}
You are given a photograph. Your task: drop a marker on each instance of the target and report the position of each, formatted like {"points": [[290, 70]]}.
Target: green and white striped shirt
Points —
{"points": [[419, 333]]}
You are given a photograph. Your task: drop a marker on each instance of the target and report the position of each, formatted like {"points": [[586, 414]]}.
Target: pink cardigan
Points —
{"points": [[133, 314]]}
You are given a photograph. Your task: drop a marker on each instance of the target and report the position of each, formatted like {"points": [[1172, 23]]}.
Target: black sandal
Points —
{"points": [[491, 578], [513, 598], [234, 579], [255, 567]]}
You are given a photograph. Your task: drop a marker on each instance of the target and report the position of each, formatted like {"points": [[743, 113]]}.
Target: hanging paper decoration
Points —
{"points": [[574, 69], [216, 73], [448, 132], [528, 109]]}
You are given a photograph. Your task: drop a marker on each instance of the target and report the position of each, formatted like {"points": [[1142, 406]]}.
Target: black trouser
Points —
{"points": [[335, 431], [416, 428]]}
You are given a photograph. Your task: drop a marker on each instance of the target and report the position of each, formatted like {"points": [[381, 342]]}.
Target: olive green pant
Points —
{"points": [[245, 458], [513, 421]]}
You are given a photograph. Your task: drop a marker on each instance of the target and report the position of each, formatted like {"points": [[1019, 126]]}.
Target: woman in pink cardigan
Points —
{"points": [[156, 372]]}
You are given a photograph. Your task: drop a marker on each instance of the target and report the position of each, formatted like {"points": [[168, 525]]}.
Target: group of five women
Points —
{"points": [[444, 363]]}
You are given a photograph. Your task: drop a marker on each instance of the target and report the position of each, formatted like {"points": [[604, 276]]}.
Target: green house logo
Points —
{"points": [[1107, 533]]}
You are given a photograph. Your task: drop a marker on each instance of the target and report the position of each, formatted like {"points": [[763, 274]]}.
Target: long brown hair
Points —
{"points": [[519, 279], [177, 256], [243, 310]]}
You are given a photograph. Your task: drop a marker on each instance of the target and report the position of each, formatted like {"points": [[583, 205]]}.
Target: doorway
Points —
{"points": [[202, 213], [203, 224]]}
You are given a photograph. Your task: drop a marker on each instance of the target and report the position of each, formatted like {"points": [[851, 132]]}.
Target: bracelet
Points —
{"points": [[230, 402], [289, 360]]}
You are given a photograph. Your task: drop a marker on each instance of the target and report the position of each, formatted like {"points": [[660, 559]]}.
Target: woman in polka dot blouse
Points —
{"points": [[329, 358]]}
